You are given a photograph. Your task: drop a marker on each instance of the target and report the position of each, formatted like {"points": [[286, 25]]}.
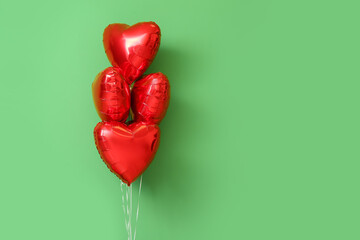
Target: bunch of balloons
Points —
{"points": [[128, 144]]}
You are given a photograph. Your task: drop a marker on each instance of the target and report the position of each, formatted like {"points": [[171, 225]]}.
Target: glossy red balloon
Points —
{"points": [[111, 95], [127, 150], [131, 48], [150, 98]]}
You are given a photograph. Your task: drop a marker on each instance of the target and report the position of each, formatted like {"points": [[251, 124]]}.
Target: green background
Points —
{"points": [[261, 139]]}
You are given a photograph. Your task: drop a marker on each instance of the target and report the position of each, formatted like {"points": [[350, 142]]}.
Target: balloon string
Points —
{"points": [[127, 213], [130, 211], [138, 207], [126, 199], [123, 205]]}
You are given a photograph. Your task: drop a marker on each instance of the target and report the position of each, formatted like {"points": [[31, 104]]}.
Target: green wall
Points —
{"points": [[260, 142]]}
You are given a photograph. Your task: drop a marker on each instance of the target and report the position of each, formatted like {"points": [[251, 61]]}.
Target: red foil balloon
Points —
{"points": [[111, 95], [127, 150], [150, 98], [131, 48]]}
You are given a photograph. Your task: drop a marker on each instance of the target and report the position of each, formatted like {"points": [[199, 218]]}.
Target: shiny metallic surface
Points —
{"points": [[127, 150], [111, 95], [150, 98], [131, 48]]}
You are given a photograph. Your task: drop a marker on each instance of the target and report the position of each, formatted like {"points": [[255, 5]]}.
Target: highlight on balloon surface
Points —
{"points": [[130, 105]]}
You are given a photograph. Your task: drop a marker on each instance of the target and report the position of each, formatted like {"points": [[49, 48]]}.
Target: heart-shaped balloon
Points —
{"points": [[131, 48], [111, 95], [127, 150], [150, 98]]}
